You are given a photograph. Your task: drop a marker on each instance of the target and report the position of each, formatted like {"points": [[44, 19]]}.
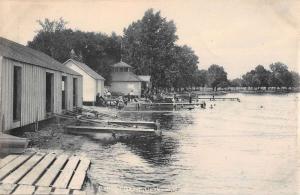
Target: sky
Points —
{"points": [[237, 34]]}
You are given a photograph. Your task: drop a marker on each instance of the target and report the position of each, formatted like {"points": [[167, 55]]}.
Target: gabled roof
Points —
{"points": [[121, 64], [124, 77], [21, 53], [86, 68], [145, 78]]}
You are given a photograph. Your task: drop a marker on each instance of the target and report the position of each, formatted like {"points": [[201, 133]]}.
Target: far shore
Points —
{"points": [[210, 92]]}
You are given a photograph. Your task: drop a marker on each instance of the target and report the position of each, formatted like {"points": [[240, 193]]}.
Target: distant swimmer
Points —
{"points": [[261, 106], [211, 106]]}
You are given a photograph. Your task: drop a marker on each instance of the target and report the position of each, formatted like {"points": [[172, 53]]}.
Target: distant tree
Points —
{"points": [[236, 83], [216, 75], [262, 75], [52, 26], [200, 78], [97, 50], [279, 75], [296, 79], [223, 84]]}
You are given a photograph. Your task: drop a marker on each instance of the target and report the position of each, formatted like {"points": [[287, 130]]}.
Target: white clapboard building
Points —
{"points": [[93, 83]]}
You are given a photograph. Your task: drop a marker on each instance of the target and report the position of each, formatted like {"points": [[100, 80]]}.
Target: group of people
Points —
{"points": [[119, 102]]}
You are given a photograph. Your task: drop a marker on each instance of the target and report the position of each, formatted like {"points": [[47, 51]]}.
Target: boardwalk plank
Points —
{"points": [[13, 165], [79, 192], [65, 176], [53, 171], [79, 175], [7, 188], [38, 170], [24, 189], [15, 176], [43, 190], [61, 191], [7, 159]]}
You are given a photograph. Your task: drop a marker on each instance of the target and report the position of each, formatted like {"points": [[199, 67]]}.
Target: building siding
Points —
{"points": [[90, 86], [126, 87], [33, 93]]}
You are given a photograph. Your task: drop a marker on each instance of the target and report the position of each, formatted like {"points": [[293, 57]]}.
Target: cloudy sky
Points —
{"points": [[237, 34]]}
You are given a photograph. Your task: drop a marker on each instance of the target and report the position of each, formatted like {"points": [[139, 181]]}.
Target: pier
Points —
{"points": [[218, 98], [42, 173], [87, 130]]}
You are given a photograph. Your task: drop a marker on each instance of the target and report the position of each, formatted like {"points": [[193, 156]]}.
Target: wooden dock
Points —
{"points": [[219, 98], [171, 104], [83, 119], [114, 130], [42, 173], [10, 144]]}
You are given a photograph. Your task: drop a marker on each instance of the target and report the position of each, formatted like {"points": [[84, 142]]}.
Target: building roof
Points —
{"points": [[21, 53], [87, 69], [145, 78], [124, 77], [121, 64]]}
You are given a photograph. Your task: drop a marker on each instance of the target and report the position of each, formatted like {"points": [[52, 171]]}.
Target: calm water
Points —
{"points": [[234, 148]]}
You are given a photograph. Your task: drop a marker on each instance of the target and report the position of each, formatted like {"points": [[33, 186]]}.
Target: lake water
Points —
{"points": [[235, 148]]}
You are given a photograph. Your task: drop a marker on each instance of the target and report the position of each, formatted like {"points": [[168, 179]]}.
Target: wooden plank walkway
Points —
{"points": [[219, 98], [43, 174], [7, 159], [96, 129]]}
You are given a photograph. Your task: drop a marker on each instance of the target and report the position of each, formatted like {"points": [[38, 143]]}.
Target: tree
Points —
{"points": [[216, 75], [97, 50], [236, 83], [262, 76], [279, 75], [52, 26], [200, 78], [184, 63], [148, 45], [296, 79]]}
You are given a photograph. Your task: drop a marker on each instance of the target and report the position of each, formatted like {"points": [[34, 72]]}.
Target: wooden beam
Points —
{"points": [[96, 129], [61, 191], [65, 176], [78, 192], [43, 190], [38, 170], [7, 188], [53, 171], [7, 159], [13, 165], [24, 189], [80, 174], [15, 176]]}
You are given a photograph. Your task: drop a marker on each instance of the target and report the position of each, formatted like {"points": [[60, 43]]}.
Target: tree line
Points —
{"points": [[150, 46], [278, 77]]}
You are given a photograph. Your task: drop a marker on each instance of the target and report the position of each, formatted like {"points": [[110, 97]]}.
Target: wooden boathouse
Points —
{"points": [[33, 86], [93, 83]]}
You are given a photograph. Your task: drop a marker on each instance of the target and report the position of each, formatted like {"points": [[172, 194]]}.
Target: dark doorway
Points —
{"points": [[75, 85], [64, 92], [49, 92], [17, 90]]}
